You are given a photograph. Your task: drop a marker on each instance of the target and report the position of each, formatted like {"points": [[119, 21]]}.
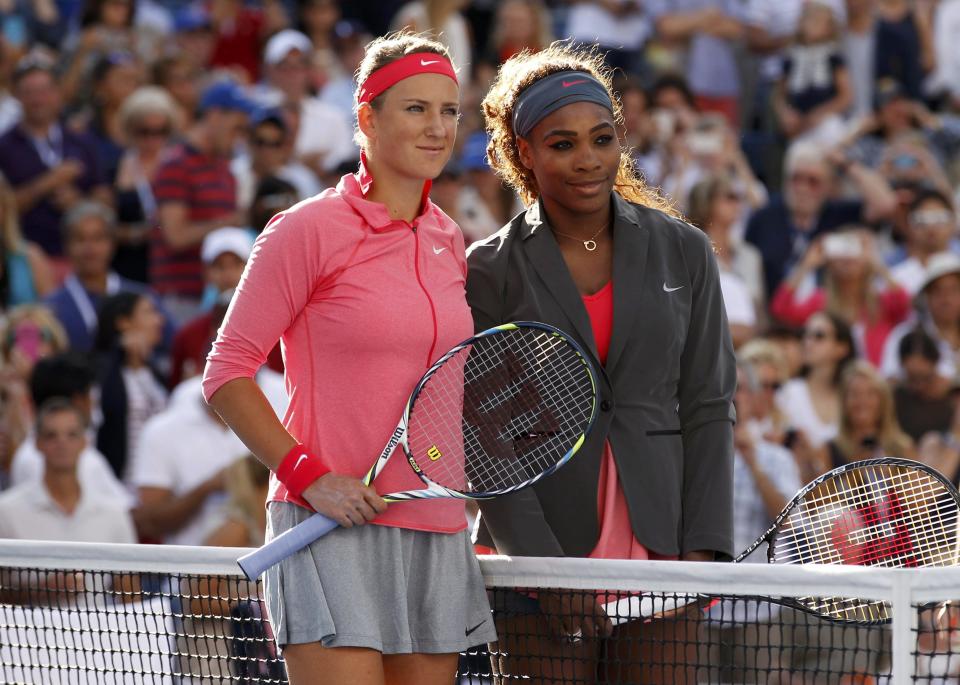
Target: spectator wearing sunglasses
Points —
{"points": [[270, 153], [147, 120], [322, 136], [713, 207], [785, 227], [771, 370], [931, 228], [115, 77], [813, 401]]}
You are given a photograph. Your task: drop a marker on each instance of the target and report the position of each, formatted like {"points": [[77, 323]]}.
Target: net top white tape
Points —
{"points": [[499, 571]]}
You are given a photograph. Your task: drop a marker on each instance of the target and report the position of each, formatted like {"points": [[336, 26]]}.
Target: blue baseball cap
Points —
{"points": [[473, 154], [191, 18], [228, 95], [271, 114]]}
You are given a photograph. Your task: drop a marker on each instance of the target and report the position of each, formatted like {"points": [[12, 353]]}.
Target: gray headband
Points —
{"points": [[552, 92]]}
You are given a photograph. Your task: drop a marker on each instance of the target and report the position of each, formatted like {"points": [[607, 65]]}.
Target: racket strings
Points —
{"points": [[564, 381], [494, 451], [824, 508], [909, 541], [501, 412], [875, 515], [810, 534]]}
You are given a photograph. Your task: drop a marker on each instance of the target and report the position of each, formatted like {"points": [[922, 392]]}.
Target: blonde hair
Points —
{"points": [[244, 481], [384, 50], [144, 101], [517, 74], [822, 6], [762, 351], [870, 299], [43, 318], [890, 437], [702, 197]]}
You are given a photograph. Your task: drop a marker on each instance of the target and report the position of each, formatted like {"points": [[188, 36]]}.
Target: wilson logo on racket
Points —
{"points": [[873, 533], [434, 453]]}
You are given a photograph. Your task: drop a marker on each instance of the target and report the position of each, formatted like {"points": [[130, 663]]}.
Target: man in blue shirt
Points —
{"points": [[89, 241], [785, 227], [49, 167]]}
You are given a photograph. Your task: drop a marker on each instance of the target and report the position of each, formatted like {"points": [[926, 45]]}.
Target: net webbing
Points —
{"points": [[128, 614]]}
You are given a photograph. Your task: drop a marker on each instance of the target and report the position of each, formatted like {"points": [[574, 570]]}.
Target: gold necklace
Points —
{"points": [[590, 244]]}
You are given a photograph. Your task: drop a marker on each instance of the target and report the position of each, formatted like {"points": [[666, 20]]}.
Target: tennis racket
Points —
{"points": [[496, 413], [884, 512]]}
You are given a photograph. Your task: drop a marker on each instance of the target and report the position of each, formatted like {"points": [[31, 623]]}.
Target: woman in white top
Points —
{"points": [[713, 206], [812, 402]]}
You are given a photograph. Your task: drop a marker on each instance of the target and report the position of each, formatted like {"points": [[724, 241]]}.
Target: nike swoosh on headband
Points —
{"points": [[567, 84], [424, 63]]}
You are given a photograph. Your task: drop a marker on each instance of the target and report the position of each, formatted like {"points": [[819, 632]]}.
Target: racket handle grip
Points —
{"points": [[285, 545]]}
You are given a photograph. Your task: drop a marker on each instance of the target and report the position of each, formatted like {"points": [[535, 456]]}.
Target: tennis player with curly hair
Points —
{"points": [[364, 285], [599, 254]]}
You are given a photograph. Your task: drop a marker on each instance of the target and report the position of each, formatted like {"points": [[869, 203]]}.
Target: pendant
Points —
{"points": [[590, 245]]}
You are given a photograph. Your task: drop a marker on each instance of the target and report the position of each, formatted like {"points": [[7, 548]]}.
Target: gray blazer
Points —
{"points": [[666, 391]]}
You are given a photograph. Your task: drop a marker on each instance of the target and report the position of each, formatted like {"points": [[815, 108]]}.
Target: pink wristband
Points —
{"points": [[299, 469]]}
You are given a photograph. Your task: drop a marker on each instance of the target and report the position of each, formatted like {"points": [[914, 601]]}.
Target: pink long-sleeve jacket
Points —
{"points": [[362, 304]]}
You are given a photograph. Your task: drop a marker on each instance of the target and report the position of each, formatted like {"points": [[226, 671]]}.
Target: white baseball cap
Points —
{"points": [[939, 265], [283, 43], [236, 241]]}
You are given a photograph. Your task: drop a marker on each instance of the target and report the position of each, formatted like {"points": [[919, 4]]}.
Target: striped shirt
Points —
{"points": [[205, 185]]}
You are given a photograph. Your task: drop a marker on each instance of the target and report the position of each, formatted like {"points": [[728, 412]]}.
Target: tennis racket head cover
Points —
{"points": [[885, 512], [501, 410]]}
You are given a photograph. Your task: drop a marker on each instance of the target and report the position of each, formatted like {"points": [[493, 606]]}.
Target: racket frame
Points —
{"points": [[771, 533], [400, 435]]}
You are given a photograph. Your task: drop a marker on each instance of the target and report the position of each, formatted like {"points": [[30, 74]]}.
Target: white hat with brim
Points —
{"points": [[940, 265], [238, 241]]}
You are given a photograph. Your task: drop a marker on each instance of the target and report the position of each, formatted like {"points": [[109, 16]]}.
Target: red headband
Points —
{"points": [[405, 67]]}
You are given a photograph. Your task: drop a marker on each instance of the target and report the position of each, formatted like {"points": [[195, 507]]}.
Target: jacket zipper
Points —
{"points": [[433, 311]]}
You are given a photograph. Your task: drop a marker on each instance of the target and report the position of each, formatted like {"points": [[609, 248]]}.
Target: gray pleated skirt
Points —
{"points": [[391, 589]]}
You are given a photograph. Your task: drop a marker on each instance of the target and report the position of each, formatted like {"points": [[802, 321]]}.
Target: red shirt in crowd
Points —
{"points": [[208, 189], [239, 42], [893, 306]]}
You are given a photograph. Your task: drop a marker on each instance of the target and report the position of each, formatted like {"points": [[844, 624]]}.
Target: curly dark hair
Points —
{"points": [[517, 74]]}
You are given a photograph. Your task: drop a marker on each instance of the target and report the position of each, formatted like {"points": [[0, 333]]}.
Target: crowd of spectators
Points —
{"points": [[145, 143]]}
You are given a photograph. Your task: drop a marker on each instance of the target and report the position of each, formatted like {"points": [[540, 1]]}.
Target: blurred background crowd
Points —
{"points": [[145, 143]]}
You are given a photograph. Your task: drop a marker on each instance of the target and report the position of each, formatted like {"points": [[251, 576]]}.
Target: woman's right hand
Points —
{"points": [[575, 614], [344, 499]]}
